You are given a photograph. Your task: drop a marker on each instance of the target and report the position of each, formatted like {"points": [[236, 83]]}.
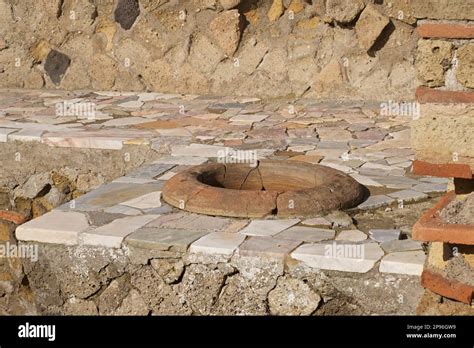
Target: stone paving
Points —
{"points": [[189, 130]]}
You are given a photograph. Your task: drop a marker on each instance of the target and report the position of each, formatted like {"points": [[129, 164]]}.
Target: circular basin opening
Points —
{"points": [[281, 188]]}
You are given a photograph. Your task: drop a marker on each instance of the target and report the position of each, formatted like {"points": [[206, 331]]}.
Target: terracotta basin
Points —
{"points": [[279, 188]]}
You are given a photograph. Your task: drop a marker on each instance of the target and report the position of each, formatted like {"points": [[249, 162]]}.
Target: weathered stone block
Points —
{"points": [[443, 9], [292, 297], [56, 65], [226, 28], [465, 70], [444, 134], [369, 26], [343, 11], [126, 13], [228, 4], [432, 60], [276, 10]]}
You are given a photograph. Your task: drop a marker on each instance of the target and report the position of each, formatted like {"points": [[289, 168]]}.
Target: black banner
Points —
{"points": [[291, 331]]}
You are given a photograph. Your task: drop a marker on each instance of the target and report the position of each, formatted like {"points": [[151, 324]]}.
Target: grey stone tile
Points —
{"points": [[267, 247], [374, 202], [306, 234], [163, 238], [381, 235]]}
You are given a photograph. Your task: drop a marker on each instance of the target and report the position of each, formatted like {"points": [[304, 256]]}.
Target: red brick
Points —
{"points": [[12, 216], [430, 95], [446, 170], [449, 288], [446, 31], [431, 228]]}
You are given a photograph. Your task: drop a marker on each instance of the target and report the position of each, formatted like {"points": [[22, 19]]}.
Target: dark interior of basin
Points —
{"points": [[266, 176]]}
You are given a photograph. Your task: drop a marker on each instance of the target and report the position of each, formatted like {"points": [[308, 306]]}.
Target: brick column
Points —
{"points": [[443, 139]]}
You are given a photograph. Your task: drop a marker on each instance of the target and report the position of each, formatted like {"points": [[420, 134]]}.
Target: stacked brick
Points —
{"points": [[443, 138]]}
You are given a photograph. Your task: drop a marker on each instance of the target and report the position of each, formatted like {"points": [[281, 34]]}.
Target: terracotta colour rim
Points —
{"points": [[278, 188], [449, 288], [431, 228], [444, 170]]}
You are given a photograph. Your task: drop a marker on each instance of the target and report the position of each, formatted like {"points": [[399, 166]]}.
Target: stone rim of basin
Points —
{"points": [[280, 189]]}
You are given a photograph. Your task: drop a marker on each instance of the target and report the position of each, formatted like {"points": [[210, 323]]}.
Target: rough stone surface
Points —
{"points": [[170, 269], [433, 59], [343, 11], [34, 186], [459, 211], [56, 65], [228, 4], [128, 45], [276, 10], [126, 13], [442, 9], [226, 30], [465, 70], [292, 297], [369, 26]]}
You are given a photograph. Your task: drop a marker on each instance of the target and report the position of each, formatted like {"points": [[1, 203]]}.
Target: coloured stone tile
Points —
{"points": [[191, 221], [306, 234], [112, 234], [54, 227], [351, 236], [267, 247], [199, 150], [318, 221], [150, 200], [217, 243], [164, 238], [405, 262], [430, 187], [268, 227], [109, 195], [150, 171], [339, 256], [381, 235], [374, 202], [401, 245], [408, 195], [183, 160]]}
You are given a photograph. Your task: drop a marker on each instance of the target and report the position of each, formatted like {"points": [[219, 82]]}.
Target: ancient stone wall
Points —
{"points": [[144, 280], [327, 49]]}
